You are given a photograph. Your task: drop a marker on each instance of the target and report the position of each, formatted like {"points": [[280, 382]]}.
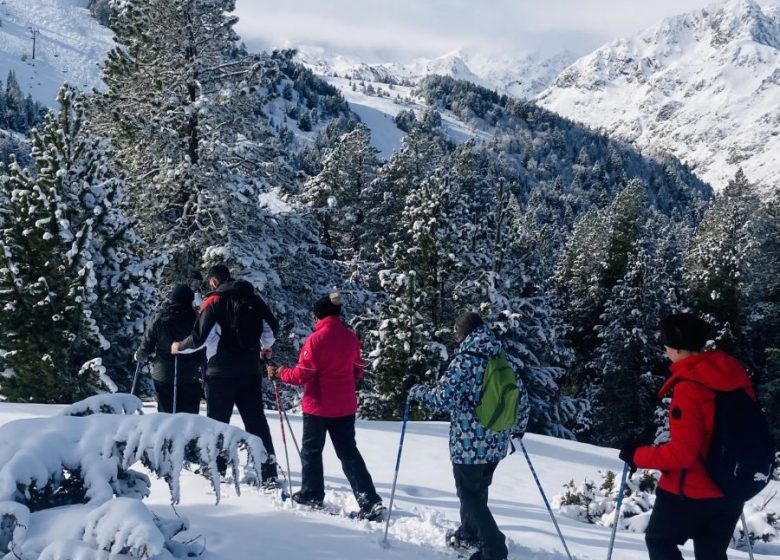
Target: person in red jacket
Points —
{"points": [[688, 504], [329, 366]]}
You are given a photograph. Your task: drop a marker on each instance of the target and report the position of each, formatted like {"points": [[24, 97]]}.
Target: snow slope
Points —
{"points": [[70, 46], [256, 525], [377, 112], [704, 86]]}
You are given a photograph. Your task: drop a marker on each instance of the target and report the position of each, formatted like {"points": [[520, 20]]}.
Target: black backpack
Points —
{"points": [[245, 313], [742, 453]]}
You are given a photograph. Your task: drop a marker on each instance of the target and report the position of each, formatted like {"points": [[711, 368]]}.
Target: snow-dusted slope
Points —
{"points": [[70, 45], [517, 75], [704, 85], [256, 525]]}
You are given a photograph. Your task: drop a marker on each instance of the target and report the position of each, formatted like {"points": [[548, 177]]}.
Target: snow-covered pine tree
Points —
{"points": [[183, 111], [413, 323], [336, 196], [75, 292], [724, 261], [500, 278], [595, 259]]}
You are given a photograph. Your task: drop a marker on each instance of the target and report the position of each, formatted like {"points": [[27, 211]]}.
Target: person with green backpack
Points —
{"points": [[488, 405]]}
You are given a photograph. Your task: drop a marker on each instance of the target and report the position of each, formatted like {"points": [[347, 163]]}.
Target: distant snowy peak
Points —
{"points": [[519, 76], [703, 85]]}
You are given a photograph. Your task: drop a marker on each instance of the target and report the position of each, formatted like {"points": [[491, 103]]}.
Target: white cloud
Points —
{"points": [[398, 29]]}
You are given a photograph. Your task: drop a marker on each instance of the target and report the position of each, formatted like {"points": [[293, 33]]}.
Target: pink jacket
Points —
{"points": [[328, 367]]}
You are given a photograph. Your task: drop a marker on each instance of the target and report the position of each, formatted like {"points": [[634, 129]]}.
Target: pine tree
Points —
{"points": [[74, 293], [724, 261], [337, 195], [414, 322], [182, 110], [501, 278]]}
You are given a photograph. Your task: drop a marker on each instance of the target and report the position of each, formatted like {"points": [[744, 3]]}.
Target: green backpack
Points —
{"points": [[498, 404]]}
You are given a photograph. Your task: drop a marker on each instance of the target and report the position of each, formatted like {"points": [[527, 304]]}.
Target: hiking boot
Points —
{"points": [[303, 500], [478, 556], [270, 484], [372, 512], [460, 540]]}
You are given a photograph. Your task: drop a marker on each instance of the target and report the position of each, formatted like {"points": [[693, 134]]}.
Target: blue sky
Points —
{"points": [[378, 30]]}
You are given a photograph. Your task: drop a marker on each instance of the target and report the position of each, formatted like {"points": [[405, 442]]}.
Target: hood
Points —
{"points": [[173, 310], [239, 287], [482, 341], [714, 369]]}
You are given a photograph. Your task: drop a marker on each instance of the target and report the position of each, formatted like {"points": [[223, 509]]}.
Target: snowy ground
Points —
{"points": [[256, 525]]}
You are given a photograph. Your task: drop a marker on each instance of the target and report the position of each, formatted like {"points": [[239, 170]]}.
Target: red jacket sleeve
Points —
{"points": [[304, 371], [688, 428], [358, 366]]}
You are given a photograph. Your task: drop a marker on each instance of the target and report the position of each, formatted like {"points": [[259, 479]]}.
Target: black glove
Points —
{"points": [[516, 434], [627, 451], [409, 382]]}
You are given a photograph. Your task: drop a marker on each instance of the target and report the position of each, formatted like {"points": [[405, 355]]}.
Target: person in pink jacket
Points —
{"points": [[329, 366]]}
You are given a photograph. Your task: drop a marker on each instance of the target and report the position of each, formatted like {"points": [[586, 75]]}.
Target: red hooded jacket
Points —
{"points": [[691, 421], [329, 365]]}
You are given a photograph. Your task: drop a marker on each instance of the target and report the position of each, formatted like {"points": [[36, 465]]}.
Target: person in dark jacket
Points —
{"points": [[688, 504], [233, 374], [173, 322], [329, 366], [475, 451]]}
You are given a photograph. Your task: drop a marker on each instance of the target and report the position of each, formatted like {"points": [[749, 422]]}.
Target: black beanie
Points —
{"points": [[327, 306], [684, 331], [182, 294]]}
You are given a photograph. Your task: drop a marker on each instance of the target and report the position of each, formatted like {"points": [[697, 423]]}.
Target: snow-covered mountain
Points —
{"points": [[516, 75], [704, 86], [70, 45]]}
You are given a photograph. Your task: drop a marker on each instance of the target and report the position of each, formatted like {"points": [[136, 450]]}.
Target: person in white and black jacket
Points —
{"points": [[237, 329]]}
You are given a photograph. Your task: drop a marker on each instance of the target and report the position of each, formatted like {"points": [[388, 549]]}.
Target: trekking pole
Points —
{"points": [[747, 535], [544, 497], [135, 377], [617, 510], [292, 433], [175, 380], [284, 442], [397, 467]]}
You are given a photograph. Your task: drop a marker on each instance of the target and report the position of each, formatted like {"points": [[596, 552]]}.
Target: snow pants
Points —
{"points": [[476, 521], [342, 435], [246, 393], [187, 397], [709, 522]]}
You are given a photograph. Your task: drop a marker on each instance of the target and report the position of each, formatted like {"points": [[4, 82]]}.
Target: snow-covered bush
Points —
{"points": [[116, 403], [14, 520], [83, 459], [595, 503], [48, 462]]}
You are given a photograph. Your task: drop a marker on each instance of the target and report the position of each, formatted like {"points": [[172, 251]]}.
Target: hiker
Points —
{"points": [[173, 322], [688, 504], [475, 451], [237, 329], [329, 366]]}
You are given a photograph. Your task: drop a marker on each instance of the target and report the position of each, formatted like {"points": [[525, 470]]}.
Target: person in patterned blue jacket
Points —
{"points": [[475, 451]]}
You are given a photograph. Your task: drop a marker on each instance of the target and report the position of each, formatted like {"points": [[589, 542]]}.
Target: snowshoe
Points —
{"points": [[302, 500], [270, 484], [373, 512], [458, 540]]}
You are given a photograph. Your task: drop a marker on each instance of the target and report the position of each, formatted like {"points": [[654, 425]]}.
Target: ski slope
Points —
{"points": [[257, 525], [70, 46], [377, 113]]}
